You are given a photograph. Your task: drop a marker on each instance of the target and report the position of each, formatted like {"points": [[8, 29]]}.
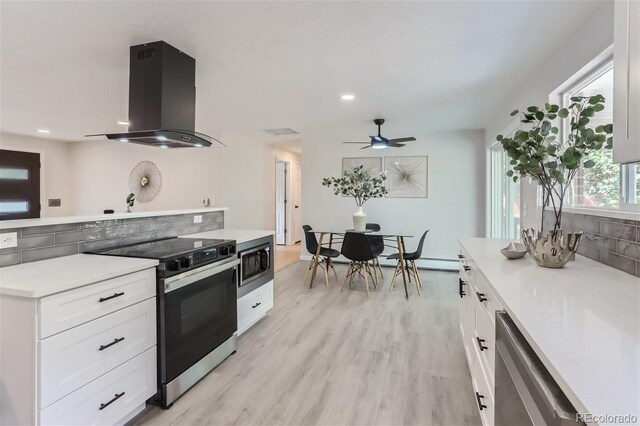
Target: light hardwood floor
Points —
{"points": [[331, 358], [285, 256]]}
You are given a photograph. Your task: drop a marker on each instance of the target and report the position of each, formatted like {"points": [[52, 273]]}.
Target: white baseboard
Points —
{"points": [[423, 263]]}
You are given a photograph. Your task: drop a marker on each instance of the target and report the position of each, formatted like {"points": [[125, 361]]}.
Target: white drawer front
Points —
{"points": [[71, 308], [73, 358], [483, 392], [254, 306], [490, 303], [136, 379], [486, 336]]}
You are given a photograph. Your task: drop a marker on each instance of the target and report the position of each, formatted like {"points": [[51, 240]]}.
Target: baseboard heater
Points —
{"points": [[430, 263]]}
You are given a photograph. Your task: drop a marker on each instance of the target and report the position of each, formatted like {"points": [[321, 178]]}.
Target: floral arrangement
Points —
{"points": [[357, 183]]}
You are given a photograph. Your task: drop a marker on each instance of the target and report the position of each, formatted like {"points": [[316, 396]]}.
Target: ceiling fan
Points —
{"points": [[380, 142]]}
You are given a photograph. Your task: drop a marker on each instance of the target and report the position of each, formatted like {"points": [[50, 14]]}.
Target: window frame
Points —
{"points": [[589, 73]]}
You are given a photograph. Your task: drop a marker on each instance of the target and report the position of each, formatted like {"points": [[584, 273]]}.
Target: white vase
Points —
{"points": [[359, 220]]}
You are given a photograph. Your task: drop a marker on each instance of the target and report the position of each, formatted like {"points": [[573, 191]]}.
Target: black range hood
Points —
{"points": [[162, 99]]}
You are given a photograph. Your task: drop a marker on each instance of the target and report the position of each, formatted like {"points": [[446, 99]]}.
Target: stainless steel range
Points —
{"points": [[197, 308]]}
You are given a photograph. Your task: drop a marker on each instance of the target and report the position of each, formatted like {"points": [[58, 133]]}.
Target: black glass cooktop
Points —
{"points": [[162, 249]]}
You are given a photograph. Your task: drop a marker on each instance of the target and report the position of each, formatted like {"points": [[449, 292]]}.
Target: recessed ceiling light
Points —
{"points": [[348, 97], [164, 146], [161, 138], [124, 140], [123, 123], [43, 131]]}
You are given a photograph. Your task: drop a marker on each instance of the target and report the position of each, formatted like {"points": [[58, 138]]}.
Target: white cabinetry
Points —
{"points": [[477, 326], [253, 306], [626, 82], [82, 356]]}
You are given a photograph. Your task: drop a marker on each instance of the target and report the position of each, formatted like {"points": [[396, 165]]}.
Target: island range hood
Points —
{"points": [[162, 99]]}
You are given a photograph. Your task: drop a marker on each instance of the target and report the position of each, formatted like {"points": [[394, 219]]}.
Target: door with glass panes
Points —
{"points": [[19, 185]]}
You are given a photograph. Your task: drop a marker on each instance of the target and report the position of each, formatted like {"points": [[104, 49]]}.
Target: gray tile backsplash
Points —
{"points": [[46, 242], [614, 242]]}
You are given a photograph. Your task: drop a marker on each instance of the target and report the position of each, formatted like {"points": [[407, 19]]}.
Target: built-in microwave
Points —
{"points": [[255, 263]]}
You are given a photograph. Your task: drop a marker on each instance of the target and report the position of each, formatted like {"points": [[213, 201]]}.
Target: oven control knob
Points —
{"points": [[224, 251], [185, 262], [174, 265]]}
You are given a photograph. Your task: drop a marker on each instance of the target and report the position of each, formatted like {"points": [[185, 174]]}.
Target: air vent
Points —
{"points": [[281, 132]]}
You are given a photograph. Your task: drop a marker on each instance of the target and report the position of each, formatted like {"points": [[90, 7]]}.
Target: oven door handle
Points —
{"points": [[190, 277]]}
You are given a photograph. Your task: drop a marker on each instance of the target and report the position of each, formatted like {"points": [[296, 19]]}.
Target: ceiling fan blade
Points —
{"points": [[365, 147], [359, 142], [409, 139], [396, 145]]}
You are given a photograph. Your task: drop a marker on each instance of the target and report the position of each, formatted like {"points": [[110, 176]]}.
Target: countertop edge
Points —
{"points": [[61, 220], [80, 282]]}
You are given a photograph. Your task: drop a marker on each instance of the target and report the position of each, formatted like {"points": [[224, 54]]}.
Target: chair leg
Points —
{"points": [[373, 275], [395, 274], [379, 267], [326, 271], [408, 268], [334, 270], [310, 268], [417, 278], [345, 278], [366, 284], [418, 275]]}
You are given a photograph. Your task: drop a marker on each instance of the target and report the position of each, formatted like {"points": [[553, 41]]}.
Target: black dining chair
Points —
{"points": [[326, 255], [357, 249], [409, 263], [377, 246]]}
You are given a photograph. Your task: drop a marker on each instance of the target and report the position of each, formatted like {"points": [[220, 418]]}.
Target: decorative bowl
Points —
{"points": [[514, 251]]}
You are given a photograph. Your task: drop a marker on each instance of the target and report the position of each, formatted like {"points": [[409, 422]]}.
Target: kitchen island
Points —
{"points": [[583, 322]]}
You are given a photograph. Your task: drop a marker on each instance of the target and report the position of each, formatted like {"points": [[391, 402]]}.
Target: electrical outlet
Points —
{"points": [[10, 239], [197, 219]]}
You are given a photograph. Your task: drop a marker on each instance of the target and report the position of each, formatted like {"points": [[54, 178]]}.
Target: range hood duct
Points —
{"points": [[162, 99]]}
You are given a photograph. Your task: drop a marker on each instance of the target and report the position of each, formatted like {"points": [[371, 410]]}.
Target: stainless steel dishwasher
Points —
{"points": [[525, 392]]}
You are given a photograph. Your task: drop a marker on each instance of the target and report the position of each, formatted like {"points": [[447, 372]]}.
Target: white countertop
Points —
{"points": [[24, 223], [47, 277], [583, 321], [240, 235]]}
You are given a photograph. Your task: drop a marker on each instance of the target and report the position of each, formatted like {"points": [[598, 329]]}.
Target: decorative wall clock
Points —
{"points": [[145, 181]]}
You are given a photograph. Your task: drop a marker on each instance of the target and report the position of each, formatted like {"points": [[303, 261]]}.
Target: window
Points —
{"points": [[606, 185], [505, 197]]}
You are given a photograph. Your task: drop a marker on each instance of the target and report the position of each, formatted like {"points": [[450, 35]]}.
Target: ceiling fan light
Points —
{"points": [[378, 146]]}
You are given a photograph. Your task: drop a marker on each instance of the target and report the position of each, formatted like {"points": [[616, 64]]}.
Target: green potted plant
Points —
{"points": [[553, 162], [357, 183]]}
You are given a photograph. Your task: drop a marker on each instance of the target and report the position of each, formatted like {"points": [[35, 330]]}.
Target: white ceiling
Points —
{"points": [[421, 65]]}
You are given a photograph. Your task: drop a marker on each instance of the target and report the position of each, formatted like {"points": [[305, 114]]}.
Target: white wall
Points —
{"points": [[589, 41], [247, 182], [56, 179], [92, 176], [455, 205]]}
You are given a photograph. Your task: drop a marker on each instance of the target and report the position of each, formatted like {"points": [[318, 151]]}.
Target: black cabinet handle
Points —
{"points": [[103, 347], [111, 401], [481, 296], [256, 305], [479, 398], [462, 283], [480, 344], [467, 268], [102, 299]]}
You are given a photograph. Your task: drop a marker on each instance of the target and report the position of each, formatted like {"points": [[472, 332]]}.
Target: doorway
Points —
{"points": [[505, 197], [281, 202], [288, 197]]}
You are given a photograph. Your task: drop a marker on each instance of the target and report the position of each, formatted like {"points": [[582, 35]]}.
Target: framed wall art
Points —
{"points": [[407, 177]]}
